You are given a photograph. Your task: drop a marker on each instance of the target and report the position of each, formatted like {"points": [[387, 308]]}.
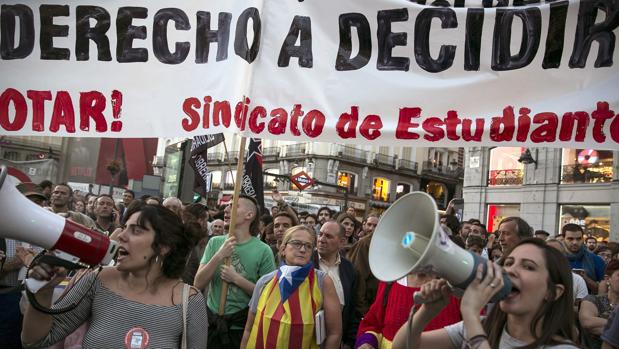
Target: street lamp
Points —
{"points": [[527, 159]]}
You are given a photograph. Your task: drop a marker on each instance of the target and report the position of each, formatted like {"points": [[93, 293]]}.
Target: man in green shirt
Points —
{"points": [[250, 260]]}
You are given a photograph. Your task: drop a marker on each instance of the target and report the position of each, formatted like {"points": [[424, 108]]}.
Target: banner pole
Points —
{"points": [[231, 228], [229, 163]]}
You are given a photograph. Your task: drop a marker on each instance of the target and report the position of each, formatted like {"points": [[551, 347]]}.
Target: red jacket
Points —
{"points": [[384, 322]]}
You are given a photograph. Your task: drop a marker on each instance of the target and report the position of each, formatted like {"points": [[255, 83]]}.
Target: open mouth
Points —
{"points": [[122, 253], [514, 292]]}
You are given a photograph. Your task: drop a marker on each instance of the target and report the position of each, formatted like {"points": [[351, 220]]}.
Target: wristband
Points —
{"points": [[475, 341]]}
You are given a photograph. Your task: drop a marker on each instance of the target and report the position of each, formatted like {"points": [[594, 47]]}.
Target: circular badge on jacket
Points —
{"points": [[136, 338]]}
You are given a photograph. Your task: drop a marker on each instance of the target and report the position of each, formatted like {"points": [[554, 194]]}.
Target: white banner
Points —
{"points": [[389, 72]]}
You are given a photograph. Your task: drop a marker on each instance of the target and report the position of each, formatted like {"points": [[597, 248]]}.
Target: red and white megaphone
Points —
{"points": [[23, 220]]}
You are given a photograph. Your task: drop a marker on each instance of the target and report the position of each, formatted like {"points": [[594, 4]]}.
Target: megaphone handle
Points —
{"points": [[417, 298], [34, 285]]}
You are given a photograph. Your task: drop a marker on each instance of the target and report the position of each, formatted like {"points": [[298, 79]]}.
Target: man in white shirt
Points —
{"points": [[328, 259]]}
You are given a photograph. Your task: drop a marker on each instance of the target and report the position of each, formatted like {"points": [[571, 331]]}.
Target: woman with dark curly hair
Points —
{"points": [[137, 303]]}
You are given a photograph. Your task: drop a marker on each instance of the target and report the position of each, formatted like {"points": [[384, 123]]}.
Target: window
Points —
{"points": [[407, 153], [348, 180], [594, 219], [230, 178], [439, 192], [11, 155], [401, 189], [270, 182], [586, 166], [496, 213], [380, 191], [216, 180], [504, 167]]}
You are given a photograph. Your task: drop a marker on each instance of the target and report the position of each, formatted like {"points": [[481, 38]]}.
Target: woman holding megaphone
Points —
{"points": [[141, 302], [536, 314]]}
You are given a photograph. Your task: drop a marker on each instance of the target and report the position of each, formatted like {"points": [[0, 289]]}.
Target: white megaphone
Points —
{"points": [[23, 220], [409, 238]]}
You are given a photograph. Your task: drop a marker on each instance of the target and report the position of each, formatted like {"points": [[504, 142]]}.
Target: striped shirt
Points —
{"points": [[112, 319]]}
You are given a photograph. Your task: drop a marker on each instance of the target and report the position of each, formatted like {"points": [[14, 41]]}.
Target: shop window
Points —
{"points": [[348, 180], [380, 191], [586, 166], [504, 167], [270, 182], [496, 213], [401, 189], [594, 219]]}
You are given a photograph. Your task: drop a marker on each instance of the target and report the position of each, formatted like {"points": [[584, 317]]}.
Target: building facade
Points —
{"points": [[374, 177], [555, 187], [34, 158]]}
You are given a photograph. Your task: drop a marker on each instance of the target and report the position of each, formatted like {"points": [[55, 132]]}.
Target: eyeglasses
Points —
{"points": [[297, 244]]}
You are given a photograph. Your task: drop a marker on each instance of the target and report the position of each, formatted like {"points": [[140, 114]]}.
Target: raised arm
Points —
{"points": [[436, 293], [211, 261], [589, 318], [44, 329]]}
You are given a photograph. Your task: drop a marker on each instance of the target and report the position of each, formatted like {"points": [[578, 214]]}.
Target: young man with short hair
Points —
{"points": [[61, 198], [587, 264], [250, 260]]}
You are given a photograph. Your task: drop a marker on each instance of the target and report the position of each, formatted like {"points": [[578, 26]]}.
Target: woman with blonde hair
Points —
{"points": [[288, 303]]}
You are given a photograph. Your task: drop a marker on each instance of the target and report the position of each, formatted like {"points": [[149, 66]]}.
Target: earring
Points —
{"points": [[157, 259]]}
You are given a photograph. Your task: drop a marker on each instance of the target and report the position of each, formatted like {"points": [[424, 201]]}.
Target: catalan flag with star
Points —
{"points": [[286, 309]]}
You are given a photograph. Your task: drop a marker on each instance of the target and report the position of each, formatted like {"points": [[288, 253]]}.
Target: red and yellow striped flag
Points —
{"points": [[289, 324]]}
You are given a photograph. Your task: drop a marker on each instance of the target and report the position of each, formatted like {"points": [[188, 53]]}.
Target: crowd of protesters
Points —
{"points": [[302, 280]]}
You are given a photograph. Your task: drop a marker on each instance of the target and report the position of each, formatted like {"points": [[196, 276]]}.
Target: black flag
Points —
{"points": [[252, 184], [199, 149]]}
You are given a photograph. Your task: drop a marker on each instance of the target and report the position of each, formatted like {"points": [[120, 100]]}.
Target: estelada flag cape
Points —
{"points": [[287, 324]]}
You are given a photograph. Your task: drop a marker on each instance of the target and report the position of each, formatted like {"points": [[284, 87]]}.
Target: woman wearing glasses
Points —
{"points": [[288, 304]]}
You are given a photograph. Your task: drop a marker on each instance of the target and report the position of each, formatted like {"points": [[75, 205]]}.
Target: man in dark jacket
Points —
{"points": [[328, 259]]}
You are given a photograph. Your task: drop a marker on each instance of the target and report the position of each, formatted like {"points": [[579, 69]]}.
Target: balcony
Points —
{"points": [[408, 165], [296, 149], [213, 157], [232, 155], [505, 177], [576, 173], [439, 169], [270, 152], [382, 159], [354, 154]]}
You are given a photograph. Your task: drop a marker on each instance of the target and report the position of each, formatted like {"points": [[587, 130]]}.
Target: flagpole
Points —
{"points": [[229, 163], [231, 228]]}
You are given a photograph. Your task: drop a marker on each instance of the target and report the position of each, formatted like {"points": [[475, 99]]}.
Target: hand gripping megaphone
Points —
{"points": [[23, 220], [409, 238]]}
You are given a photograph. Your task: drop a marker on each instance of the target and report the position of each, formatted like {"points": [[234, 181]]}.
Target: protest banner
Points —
{"points": [[383, 72]]}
